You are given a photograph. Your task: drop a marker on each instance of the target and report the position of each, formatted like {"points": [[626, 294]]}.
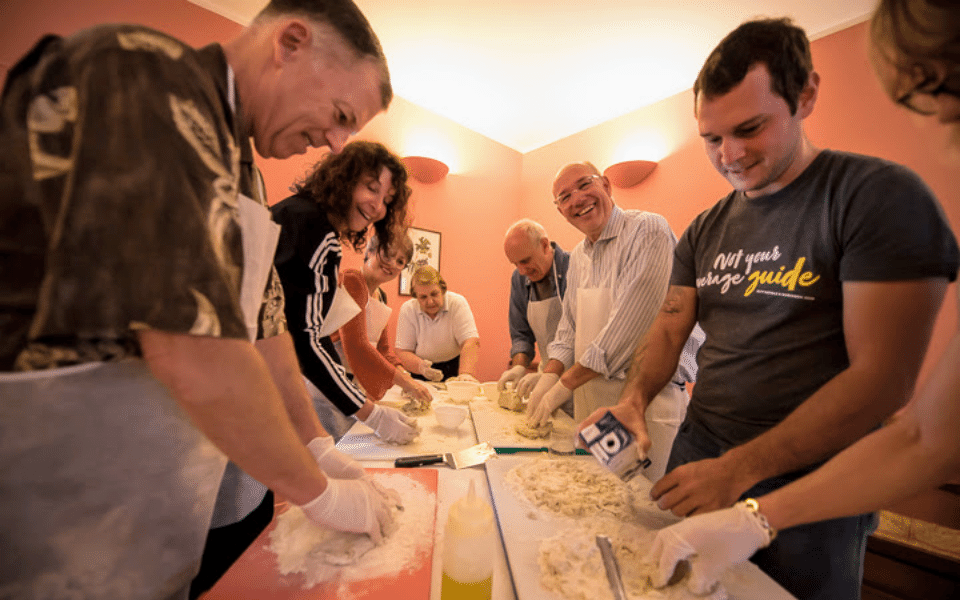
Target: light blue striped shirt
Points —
{"points": [[633, 257]]}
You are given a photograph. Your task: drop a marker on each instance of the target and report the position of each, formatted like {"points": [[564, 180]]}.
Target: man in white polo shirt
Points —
{"points": [[437, 336]]}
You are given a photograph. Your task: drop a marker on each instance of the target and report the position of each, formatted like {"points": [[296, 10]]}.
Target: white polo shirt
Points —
{"points": [[439, 339]]}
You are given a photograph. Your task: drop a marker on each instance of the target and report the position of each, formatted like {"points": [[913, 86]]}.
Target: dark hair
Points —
{"points": [[777, 43], [333, 180], [402, 244], [344, 17]]}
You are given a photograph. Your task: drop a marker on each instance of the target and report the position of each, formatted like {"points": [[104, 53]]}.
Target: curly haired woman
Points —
{"points": [[363, 185]]}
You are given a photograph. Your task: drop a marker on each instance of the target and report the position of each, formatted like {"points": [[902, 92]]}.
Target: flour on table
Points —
{"points": [[432, 438], [499, 425], [323, 554], [592, 501]]}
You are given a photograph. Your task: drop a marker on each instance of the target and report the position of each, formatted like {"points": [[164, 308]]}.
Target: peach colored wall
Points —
{"points": [[471, 207], [851, 114], [24, 21], [490, 185]]}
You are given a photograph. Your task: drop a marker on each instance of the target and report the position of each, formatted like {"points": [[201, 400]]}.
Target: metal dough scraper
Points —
{"points": [[611, 567], [468, 457]]}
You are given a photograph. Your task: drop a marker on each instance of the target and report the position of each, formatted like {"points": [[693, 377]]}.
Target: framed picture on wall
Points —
{"points": [[426, 251]]}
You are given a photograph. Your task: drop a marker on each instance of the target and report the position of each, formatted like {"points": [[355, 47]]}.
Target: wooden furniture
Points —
{"points": [[915, 553]]}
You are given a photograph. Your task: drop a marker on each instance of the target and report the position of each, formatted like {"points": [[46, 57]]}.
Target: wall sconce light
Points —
{"points": [[425, 170], [629, 173]]}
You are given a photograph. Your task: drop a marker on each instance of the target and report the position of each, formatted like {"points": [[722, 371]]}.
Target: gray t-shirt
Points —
{"points": [[768, 273]]}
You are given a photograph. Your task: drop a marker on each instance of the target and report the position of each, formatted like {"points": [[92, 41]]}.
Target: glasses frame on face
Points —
{"points": [[582, 184], [922, 98]]}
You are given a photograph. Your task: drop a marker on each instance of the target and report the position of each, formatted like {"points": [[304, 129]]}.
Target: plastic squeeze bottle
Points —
{"points": [[468, 545]]}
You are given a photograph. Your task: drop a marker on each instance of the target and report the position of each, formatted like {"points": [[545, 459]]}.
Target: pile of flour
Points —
{"points": [[321, 554]]}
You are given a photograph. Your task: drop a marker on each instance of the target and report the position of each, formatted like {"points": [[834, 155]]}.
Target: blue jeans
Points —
{"points": [[819, 561]]}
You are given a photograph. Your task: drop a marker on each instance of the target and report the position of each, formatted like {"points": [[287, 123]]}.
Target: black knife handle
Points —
{"points": [[418, 461]]}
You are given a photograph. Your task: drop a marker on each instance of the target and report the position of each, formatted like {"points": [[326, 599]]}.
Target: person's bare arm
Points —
{"points": [[521, 359], [409, 360], [227, 390], [469, 355], [658, 352], [281, 359], [577, 375], [654, 361], [917, 451], [887, 326]]}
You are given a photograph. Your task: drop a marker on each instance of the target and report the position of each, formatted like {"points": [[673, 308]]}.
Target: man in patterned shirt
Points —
{"points": [[130, 217], [615, 283]]}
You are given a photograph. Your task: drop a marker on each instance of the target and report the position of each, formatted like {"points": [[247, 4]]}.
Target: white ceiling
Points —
{"points": [[529, 72]]}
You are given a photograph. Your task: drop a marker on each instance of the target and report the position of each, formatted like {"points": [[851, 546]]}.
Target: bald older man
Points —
{"points": [[616, 283], [536, 292]]}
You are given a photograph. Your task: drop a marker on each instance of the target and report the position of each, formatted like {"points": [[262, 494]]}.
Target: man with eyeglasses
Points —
{"points": [[616, 281], [817, 281]]}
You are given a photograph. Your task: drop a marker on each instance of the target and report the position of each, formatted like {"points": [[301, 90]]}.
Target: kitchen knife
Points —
{"points": [[611, 567], [468, 457]]}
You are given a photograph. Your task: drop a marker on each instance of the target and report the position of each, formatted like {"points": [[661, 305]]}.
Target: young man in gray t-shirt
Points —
{"points": [[817, 282]]}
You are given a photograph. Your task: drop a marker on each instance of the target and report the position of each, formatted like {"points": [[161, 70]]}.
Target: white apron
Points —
{"points": [[260, 235], [593, 312], [376, 314], [665, 412], [544, 318], [342, 309], [240, 493], [107, 488]]}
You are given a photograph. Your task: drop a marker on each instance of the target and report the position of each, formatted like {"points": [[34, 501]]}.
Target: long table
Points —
{"points": [[516, 575]]}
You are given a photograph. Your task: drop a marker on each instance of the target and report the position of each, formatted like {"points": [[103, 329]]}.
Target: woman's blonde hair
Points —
{"points": [[427, 275]]}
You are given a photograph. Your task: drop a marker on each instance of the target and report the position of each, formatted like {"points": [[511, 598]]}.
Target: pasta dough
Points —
{"points": [[534, 433], [592, 501]]}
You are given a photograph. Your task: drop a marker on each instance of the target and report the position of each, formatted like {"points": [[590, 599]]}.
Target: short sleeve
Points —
{"points": [[892, 227], [407, 327], [136, 163], [684, 266], [465, 327]]}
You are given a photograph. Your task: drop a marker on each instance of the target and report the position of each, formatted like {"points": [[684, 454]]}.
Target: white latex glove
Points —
{"points": [[392, 425], [332, 462], [527, 383], [543, 386], [712, 542], [466, 377], [549, 402], [354, 505], [392, 495], [428, 372], [513, 374]]}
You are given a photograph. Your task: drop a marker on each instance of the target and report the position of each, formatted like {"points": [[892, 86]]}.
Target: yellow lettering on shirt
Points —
{"points": [[785, 279]]}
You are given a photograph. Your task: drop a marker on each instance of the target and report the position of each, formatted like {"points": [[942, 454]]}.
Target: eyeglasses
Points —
{"points": [[582, 184], [922, 99]]}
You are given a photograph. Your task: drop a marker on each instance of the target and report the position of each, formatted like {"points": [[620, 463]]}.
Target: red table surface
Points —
{"points": [[255, 573]]}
